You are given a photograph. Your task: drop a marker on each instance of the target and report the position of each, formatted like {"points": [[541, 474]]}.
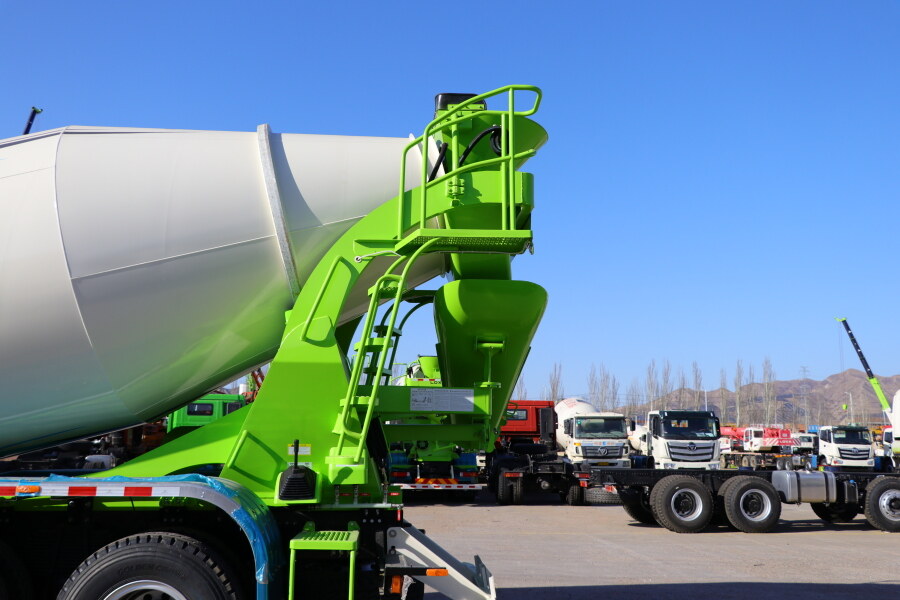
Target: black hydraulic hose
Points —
{"points": [[438, 161], [494, 130]]}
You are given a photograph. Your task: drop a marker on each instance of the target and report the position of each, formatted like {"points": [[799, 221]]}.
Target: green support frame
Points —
{"points": [[468, 221]]}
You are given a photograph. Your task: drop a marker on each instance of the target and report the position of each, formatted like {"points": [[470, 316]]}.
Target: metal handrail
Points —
{"points": [[506, 160]]}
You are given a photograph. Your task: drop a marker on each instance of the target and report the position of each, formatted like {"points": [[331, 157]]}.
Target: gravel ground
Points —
{"points": [[547, 550]]}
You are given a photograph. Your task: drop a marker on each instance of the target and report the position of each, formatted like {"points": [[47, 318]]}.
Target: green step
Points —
{"points": [[512, 241], [325, 540]]}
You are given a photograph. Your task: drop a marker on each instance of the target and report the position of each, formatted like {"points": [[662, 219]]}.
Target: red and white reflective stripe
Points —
{"points": [[102, 490], [441, 486]]}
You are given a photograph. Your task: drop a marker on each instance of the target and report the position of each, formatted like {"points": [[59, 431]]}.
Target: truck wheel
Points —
{"points": [[637, 504], [575, 495], [517, 486], [151, 566], [835, 512], [719, 515], [504, 488], [14, 581], [883, 503], [681, 504], [752, 504]]}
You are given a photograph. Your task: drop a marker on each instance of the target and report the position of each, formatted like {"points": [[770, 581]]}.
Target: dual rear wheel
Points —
{"points": [[683, 504]]}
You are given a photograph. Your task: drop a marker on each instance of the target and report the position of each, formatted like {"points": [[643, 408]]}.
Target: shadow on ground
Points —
{"points": [[737, 590]]}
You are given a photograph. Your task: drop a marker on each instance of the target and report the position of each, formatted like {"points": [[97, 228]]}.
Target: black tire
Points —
{"points": [[637, 504], [720, 517], [752, 504], [155, 562], [681, 504], [504, 489], [517, 486], [575, 495], [883, 503], [835, 512], [14, 581], [598, 495]]}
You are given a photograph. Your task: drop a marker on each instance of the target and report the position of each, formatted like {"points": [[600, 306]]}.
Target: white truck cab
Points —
{"points": [[588, 438], [846, 446], [679, 439]]}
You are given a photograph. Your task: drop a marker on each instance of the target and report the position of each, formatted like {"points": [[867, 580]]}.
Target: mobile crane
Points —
{"points": [[143, 268], [891, 451]]}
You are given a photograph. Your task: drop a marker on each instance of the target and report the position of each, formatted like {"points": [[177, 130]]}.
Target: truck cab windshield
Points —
{"points": [[600, 428], [852, 436], [692, 428]]}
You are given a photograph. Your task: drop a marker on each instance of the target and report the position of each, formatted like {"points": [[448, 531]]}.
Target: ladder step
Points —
{"points": [[325, 540], [379, 343], [374, 371]]}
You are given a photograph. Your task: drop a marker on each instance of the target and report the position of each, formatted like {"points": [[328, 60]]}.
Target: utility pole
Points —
{"points": [[804, 391]]}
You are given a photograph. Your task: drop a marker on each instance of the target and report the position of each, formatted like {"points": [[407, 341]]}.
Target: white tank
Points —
{"points": [[566, 409], [140, 268]]}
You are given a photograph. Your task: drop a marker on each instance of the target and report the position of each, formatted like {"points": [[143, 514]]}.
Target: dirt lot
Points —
{"points": [[545, 550]]}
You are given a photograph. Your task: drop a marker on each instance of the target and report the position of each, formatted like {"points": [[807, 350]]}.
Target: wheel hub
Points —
{"points": [[889, 503], [755, 505], [145, 590], [686, 504]]}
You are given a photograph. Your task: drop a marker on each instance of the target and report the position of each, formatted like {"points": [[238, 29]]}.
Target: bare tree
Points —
{"points": [[698, 384], [752, 412], [633, 399], [682, 388], [665, 385], [738, 380], [520, 392], [595, 392], [554, 390], [723, 394], [613, 392], [769, 396], [651, 385]]}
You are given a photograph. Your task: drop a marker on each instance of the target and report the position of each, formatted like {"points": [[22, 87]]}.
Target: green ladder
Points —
{"points": [[310, 539], [372, 353]]}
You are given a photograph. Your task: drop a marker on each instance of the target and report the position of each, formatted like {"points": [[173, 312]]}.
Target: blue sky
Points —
{"points": [[721, 179]]}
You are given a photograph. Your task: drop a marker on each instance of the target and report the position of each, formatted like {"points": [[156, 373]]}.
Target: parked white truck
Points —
{"points": [[591, 438], [846, 446], [678, 439]]}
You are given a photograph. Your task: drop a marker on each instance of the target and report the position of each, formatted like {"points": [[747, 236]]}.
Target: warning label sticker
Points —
{"points": [[441, 400], [302, 449]]}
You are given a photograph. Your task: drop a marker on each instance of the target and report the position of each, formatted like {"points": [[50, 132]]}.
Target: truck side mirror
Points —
{"points": [[631, 425]]}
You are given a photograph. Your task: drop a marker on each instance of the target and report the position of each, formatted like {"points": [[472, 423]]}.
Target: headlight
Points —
{"points": [[668, 465], [713, 466]]}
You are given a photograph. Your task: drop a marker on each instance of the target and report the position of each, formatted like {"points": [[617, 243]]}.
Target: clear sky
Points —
{"points": [[721, 179]]}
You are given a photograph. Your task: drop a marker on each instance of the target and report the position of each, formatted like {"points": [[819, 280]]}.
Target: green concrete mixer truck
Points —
{"points": [[145, 267]]}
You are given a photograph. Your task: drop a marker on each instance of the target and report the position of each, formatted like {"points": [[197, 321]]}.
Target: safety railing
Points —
{"points": [[506, 160]]}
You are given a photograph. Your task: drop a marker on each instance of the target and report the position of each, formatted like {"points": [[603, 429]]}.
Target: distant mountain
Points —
{"points": [[795, 402]]}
